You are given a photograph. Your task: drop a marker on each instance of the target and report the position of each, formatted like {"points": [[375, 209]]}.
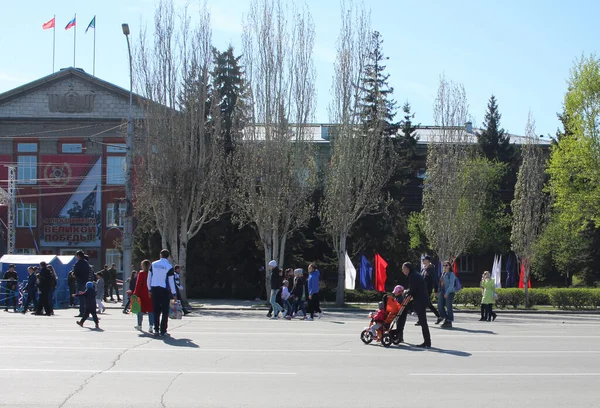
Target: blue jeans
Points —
{"points": [[272, 300], [287, 305], [445, 306], [299, 305], [140, 318]]}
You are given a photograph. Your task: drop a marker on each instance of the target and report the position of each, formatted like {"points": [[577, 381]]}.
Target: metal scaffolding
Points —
{"points": [[9, 198]]}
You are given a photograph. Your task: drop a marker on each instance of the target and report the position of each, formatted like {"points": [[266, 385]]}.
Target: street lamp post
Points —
{"points": [[128, 219]]}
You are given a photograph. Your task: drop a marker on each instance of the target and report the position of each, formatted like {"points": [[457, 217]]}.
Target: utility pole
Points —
{"points": [[128, 221], [12, 209]]}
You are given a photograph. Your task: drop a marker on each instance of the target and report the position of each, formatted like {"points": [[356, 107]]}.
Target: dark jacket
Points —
{"points": [[417, 289], [88, 298], [13, 277], [430, 277], [276, 280], [82, 272], [30, 283], [298, 289], [46, 280], [111, 276]]}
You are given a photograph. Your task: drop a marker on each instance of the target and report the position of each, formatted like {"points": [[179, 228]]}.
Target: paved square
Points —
{"points": [[242, 359]]}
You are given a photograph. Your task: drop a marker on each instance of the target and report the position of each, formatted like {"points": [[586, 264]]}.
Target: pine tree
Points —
{"points": [[230, 86], [377, 108], [494, 141]]}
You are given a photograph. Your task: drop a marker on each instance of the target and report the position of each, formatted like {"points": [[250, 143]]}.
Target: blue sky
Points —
{"points": [[521, 51]]}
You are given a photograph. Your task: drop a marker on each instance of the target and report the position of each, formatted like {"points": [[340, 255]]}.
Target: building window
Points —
{"points": [[26, 215], [112, 220], [72, 148], [27, 169], [115, 170], [113, 256], [27, 148], [116, 148], [465, 264], [26, 251]]}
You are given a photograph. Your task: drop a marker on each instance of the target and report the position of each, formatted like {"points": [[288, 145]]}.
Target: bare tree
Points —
{"points": [[181, 161], [358, 169], [530, 202], [276, 164], [457, 184]]}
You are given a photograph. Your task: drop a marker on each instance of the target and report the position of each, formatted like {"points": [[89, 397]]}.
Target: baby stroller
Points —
{"points": [[393, 329], [393, 310]]}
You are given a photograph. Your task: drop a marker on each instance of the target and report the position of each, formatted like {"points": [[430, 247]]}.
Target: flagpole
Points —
{"points": [[94, 70], [74, 39], [53, 43]]}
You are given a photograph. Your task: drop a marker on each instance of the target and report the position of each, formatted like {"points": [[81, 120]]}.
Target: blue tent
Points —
{"points": [[62, 266]]}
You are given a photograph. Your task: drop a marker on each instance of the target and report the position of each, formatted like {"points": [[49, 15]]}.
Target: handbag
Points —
{"points": [[457, 285], [175, 310], [136, 304]]}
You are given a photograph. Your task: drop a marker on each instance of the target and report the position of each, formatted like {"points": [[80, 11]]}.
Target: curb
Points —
{"points": [[351, 310]]}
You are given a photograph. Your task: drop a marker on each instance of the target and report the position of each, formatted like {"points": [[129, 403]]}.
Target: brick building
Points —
{"points": [[65, 134]]}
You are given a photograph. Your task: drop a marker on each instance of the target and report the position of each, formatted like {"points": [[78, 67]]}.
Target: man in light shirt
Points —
{"points": [[161, 285]]}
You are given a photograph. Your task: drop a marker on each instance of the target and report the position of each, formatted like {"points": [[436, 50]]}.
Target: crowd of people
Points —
{"points": [[303, 297], [294, 293]]}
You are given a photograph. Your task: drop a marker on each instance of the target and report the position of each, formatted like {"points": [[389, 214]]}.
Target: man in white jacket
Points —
{"points": [[161, 285]]}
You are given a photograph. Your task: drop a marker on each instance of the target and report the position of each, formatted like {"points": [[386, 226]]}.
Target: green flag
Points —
{"points": [[92, 24]]}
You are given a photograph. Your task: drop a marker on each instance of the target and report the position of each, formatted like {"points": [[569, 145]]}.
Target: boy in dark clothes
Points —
{"points": [[88, 299]]}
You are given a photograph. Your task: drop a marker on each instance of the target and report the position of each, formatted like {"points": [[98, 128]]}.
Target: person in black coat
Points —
{"points": [[417, 289], [45, 284], [30, 290], [88, 300], [11, 279], [82, 275], [431, 284]]}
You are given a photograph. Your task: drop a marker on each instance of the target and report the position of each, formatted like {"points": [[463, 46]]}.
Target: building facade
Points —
{"points": [[65, 135]]}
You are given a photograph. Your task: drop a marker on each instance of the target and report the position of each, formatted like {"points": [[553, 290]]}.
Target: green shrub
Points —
{"points": [[539, 296], [363, 296], [468, 296]]}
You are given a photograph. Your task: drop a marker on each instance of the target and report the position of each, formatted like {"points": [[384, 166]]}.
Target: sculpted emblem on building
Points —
{"points": [[71, 102], [57, 174]]}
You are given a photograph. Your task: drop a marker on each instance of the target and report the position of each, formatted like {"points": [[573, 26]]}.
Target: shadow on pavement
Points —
{"points": [[411, 347], [179, 342], [460, 329]]}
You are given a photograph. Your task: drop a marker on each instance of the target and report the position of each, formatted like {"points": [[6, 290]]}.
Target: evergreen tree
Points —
{"points": [[230, 86], [494, 141], [377, 108]]}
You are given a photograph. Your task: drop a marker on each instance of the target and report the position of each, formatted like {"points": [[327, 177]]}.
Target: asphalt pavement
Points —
{"points": [[221, 358]]}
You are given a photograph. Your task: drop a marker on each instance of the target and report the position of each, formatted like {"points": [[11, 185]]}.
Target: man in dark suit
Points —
{"points": [[416, 289], [82, 274]]}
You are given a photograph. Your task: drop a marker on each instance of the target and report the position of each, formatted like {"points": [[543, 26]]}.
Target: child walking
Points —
{"points": [[100, 292], [488, 289], [89, 301], [285, 297]]}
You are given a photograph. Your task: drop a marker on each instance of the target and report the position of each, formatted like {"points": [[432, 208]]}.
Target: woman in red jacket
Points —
{"points": [[141, 291]]}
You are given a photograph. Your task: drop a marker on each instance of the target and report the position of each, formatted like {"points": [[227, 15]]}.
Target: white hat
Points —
{"points": [[273, 263]]}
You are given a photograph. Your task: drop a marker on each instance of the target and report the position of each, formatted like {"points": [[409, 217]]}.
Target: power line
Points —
{"points": [[30, 134]]}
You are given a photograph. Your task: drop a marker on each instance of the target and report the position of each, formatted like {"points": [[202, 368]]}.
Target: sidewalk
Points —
{"points": [[249, 305]]}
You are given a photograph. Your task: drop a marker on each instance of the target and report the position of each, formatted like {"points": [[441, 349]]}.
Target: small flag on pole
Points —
{"points": [[92, 24], [350, 272], [49, 24], [71, 24]]}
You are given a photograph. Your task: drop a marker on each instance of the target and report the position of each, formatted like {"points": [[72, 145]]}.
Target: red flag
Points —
{"points": [[380, 273], [522, 278], [455, 268], [49, 24]]}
